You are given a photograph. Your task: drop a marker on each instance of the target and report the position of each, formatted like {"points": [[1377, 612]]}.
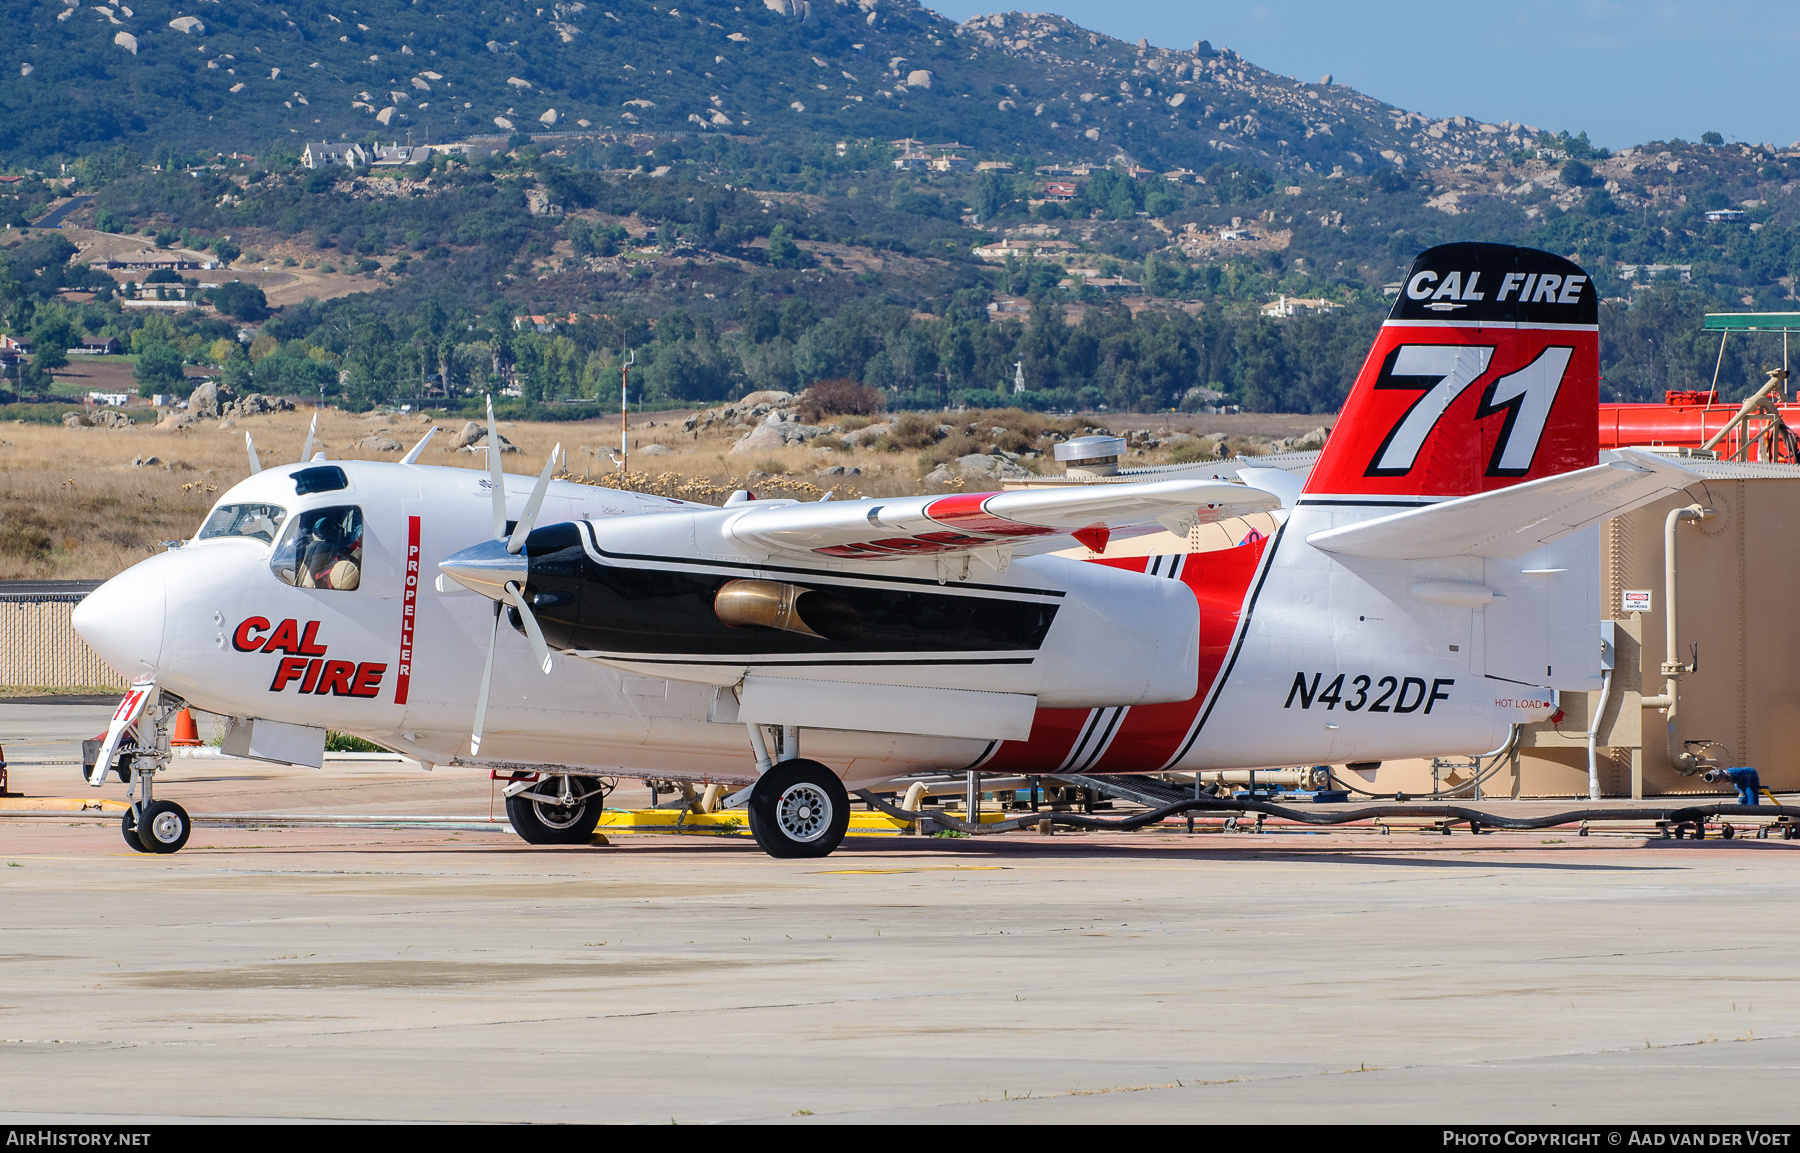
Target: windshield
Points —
{"points": [[322, 549], [258, 521]]}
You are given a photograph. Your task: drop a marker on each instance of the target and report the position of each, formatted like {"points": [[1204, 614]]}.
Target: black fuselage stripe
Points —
{"points": [[835, 575], [1105, 741], [761, 663], [1081, 739], [986, 755], [1218, 686]]}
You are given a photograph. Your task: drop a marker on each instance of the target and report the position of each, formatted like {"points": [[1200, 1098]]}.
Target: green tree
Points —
{"points": [[783, 252], [51, 337], [991, 195], [158, 366]]}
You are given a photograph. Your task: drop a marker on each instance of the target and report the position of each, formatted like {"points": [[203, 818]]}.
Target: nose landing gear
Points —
{"points": [[150, 825]]}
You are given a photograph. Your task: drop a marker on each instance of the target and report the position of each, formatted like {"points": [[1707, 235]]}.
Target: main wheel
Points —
{"points": [[541, 822], [164, 828], [799, 809], [129, 827]]}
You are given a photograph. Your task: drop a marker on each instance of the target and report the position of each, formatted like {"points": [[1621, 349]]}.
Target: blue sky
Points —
{"points": [[1624, 72]]}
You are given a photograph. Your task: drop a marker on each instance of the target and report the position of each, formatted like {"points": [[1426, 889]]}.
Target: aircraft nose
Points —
{"points": [[123, 620], [486, 568]]}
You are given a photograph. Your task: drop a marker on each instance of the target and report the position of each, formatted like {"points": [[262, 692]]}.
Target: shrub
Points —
{"points": [[914, 430], [841, 397]]}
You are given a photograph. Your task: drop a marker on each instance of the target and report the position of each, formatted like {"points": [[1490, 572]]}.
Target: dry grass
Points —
{"points": [[74, 506]]}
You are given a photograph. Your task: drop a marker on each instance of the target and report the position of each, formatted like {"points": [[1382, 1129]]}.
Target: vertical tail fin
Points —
{"points": [[1485, 374]]}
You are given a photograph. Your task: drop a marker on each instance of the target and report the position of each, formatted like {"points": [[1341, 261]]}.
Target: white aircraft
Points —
{"points": [[1431, 584]]}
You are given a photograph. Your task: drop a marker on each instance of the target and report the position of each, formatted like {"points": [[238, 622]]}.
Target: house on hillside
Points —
{"points": [[1060, 191], [544, 323], [325, 154], [90, 347], [912, 161], [952, 163], [995, 166], [1726, 216], [1181, 176], [1298, 306], [397, 155], [997, 252]]}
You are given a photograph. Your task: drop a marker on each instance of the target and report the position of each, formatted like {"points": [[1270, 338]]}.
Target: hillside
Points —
{"points": [[199, 78]]}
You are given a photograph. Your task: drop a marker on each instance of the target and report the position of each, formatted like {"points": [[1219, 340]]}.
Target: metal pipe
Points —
{"points": [[1593, 733], [790, 742], [1673, 669], [972, 798]]}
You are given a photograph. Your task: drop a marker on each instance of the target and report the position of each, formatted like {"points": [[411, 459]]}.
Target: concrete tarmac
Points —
{"points": [[374, 973]]}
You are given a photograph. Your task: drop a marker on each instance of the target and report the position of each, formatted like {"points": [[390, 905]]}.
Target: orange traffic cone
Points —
{"points": [[186, 733]]}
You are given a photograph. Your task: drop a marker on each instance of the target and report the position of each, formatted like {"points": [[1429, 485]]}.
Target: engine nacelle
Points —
{"points": [[1069, 633]]}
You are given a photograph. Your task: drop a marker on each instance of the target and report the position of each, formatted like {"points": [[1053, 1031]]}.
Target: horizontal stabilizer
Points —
{"points": [[884, 529], [1511, 522]]}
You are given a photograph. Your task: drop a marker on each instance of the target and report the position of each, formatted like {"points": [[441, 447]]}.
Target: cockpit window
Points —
{"points": [[323, 549], [258, 521], [320, 478]]}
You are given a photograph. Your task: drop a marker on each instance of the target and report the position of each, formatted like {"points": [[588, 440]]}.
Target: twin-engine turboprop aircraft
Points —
{"points": [[1430, 584]]}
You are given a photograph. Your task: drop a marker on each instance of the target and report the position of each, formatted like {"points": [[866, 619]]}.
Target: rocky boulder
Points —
{"points": [[478, 443], [208, 399], [377, 444], [868, 435], [109, 418], [977, 466], [255, 404], [778, 430]]}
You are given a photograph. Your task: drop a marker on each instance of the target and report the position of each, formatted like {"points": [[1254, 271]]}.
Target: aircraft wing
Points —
{"points": [[884, 529], [1513, 521]]}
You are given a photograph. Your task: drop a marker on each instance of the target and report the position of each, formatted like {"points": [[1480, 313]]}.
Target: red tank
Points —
{"points": [[1687, 420]]}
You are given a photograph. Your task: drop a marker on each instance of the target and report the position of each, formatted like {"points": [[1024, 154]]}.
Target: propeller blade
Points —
{"points": [[311, 433], [523, 529], [250, 447], [413, 456], [539, 649], [487, 678], [496, 474]]}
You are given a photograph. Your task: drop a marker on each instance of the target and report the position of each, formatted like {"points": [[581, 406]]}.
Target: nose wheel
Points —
{"points": [[163, 827]]}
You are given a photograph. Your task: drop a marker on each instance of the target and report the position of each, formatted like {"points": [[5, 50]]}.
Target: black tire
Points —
{"points": [[164, 828], [128, 827], [799, 809], [542, 823]]}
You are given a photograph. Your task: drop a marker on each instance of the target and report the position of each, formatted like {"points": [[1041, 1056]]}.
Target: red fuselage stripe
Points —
{"points": [[1150, 734]]}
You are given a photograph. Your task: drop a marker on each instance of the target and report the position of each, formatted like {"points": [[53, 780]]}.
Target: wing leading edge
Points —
{"points": [[966, 522]]}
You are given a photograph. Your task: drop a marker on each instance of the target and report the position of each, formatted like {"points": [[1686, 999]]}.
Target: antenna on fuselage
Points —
{"points": [[250, 447], [306, 453]]}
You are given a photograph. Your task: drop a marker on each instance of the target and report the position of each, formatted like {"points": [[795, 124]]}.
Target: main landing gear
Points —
{"points": [[799, 808], [555, 809]]}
